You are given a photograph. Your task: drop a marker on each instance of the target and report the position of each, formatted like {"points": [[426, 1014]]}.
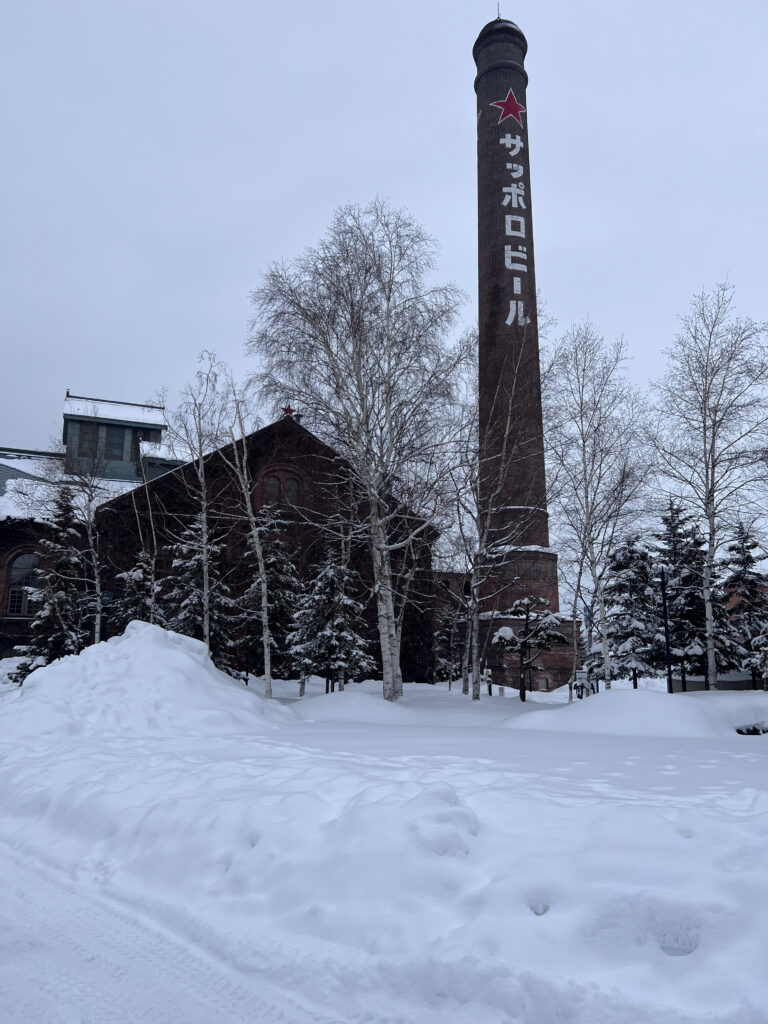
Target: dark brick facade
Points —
{"points": [[284, 452], [17, 537]]}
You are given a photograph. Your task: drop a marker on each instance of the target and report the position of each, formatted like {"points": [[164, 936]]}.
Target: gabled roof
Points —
{"points": [[285, 426]]}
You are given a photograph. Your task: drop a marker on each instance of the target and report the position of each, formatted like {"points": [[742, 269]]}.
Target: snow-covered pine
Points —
{"points": [[633, 610], [140, 595], [537, 630], [283, 588], [449, 643], [681, 556], [194, 595], [326, 638], [746, 590], [60, 625]]}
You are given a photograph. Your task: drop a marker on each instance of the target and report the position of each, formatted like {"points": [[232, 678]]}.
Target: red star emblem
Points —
{"points": [[510, 108]]}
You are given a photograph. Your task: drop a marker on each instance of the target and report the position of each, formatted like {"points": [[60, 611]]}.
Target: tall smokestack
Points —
{"points": [[512, 479]]}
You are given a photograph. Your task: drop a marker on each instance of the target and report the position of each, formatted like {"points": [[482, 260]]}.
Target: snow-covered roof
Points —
{"points": [[30, 498], [105, 409], [20, 462], [159, 450]]}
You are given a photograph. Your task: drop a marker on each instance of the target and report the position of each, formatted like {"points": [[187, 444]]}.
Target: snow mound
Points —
{"points": [[352, 705], [651, 713], [147, 681]]}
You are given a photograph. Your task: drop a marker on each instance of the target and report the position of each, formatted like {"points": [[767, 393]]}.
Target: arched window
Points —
{"points": [[20, 601], [292, 490], [272, 489]]}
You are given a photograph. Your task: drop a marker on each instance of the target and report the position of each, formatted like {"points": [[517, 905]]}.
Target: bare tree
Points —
{"points": [[486, 534], [352, 334], [712, 424], [240, 419], [595, 445], [196, 428]]}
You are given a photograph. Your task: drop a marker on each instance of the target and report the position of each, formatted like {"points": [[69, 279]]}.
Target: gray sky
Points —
{"points": [[158, 154]]}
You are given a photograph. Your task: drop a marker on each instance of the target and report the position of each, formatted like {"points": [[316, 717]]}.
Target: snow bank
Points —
{"points": [[436, 860], [651, 713], [352, 705], [148, 681]]}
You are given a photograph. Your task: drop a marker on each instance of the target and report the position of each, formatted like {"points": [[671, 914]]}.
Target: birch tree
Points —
{"points": [[352, 333], [194, 430], [713, 420], [595, 429]]}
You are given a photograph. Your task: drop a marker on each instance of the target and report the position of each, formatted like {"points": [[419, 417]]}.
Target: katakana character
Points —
{"points": [[515, 194], [513, 143]]}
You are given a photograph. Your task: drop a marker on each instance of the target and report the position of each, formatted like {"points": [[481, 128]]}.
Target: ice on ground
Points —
{"points": [[434, 860]]}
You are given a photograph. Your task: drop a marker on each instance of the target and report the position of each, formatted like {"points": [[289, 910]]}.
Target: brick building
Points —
{"points": [[144, 489]]}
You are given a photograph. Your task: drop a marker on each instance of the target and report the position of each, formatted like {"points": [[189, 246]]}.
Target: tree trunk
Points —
{"points": [[706, 593], [465, 660], [634, 678], [475, 649], [522, 674], [603, 626], [384, 610]]}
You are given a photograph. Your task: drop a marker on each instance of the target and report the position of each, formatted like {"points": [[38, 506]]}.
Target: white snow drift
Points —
{"points": [[432, 860]]}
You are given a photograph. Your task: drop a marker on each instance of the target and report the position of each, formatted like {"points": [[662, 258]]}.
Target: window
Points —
{"points": [[272, 489], [23, 576], [88, 440], [292, 490], [114, 446]]}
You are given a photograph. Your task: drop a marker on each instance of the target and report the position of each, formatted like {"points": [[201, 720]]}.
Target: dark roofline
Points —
{"points": [[250, 439]]}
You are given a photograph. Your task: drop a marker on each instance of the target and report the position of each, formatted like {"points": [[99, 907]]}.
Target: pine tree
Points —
{"points": [[283, 594], [195, 591], [325, 639], [632, 610], [140, 596], [746, 590], [537, 630], [450, 629], [59, 627], [682, 558]]}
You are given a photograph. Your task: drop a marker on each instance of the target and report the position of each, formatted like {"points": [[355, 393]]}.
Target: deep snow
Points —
{"points": [[339, 858]]}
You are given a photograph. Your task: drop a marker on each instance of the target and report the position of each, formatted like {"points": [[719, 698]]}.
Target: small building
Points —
{"points": [[104, 437], [101, 439]]}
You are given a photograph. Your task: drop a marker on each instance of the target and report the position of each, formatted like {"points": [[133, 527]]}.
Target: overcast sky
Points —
{"points": [[159, 154]]}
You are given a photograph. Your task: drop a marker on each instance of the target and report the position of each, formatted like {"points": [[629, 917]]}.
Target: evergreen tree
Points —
{"points": [[195, 588], [140, 598], [283, 595], [746, 590], [537, 630], [682, 558], [632, 610], [450, 630], [59, 627], [325, 639]]}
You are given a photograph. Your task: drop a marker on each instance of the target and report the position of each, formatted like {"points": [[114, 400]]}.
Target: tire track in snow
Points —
{"points": [[68, 956]]}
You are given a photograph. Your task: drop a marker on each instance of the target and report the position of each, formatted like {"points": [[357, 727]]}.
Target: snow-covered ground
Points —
{"points": [[175, 848]]}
